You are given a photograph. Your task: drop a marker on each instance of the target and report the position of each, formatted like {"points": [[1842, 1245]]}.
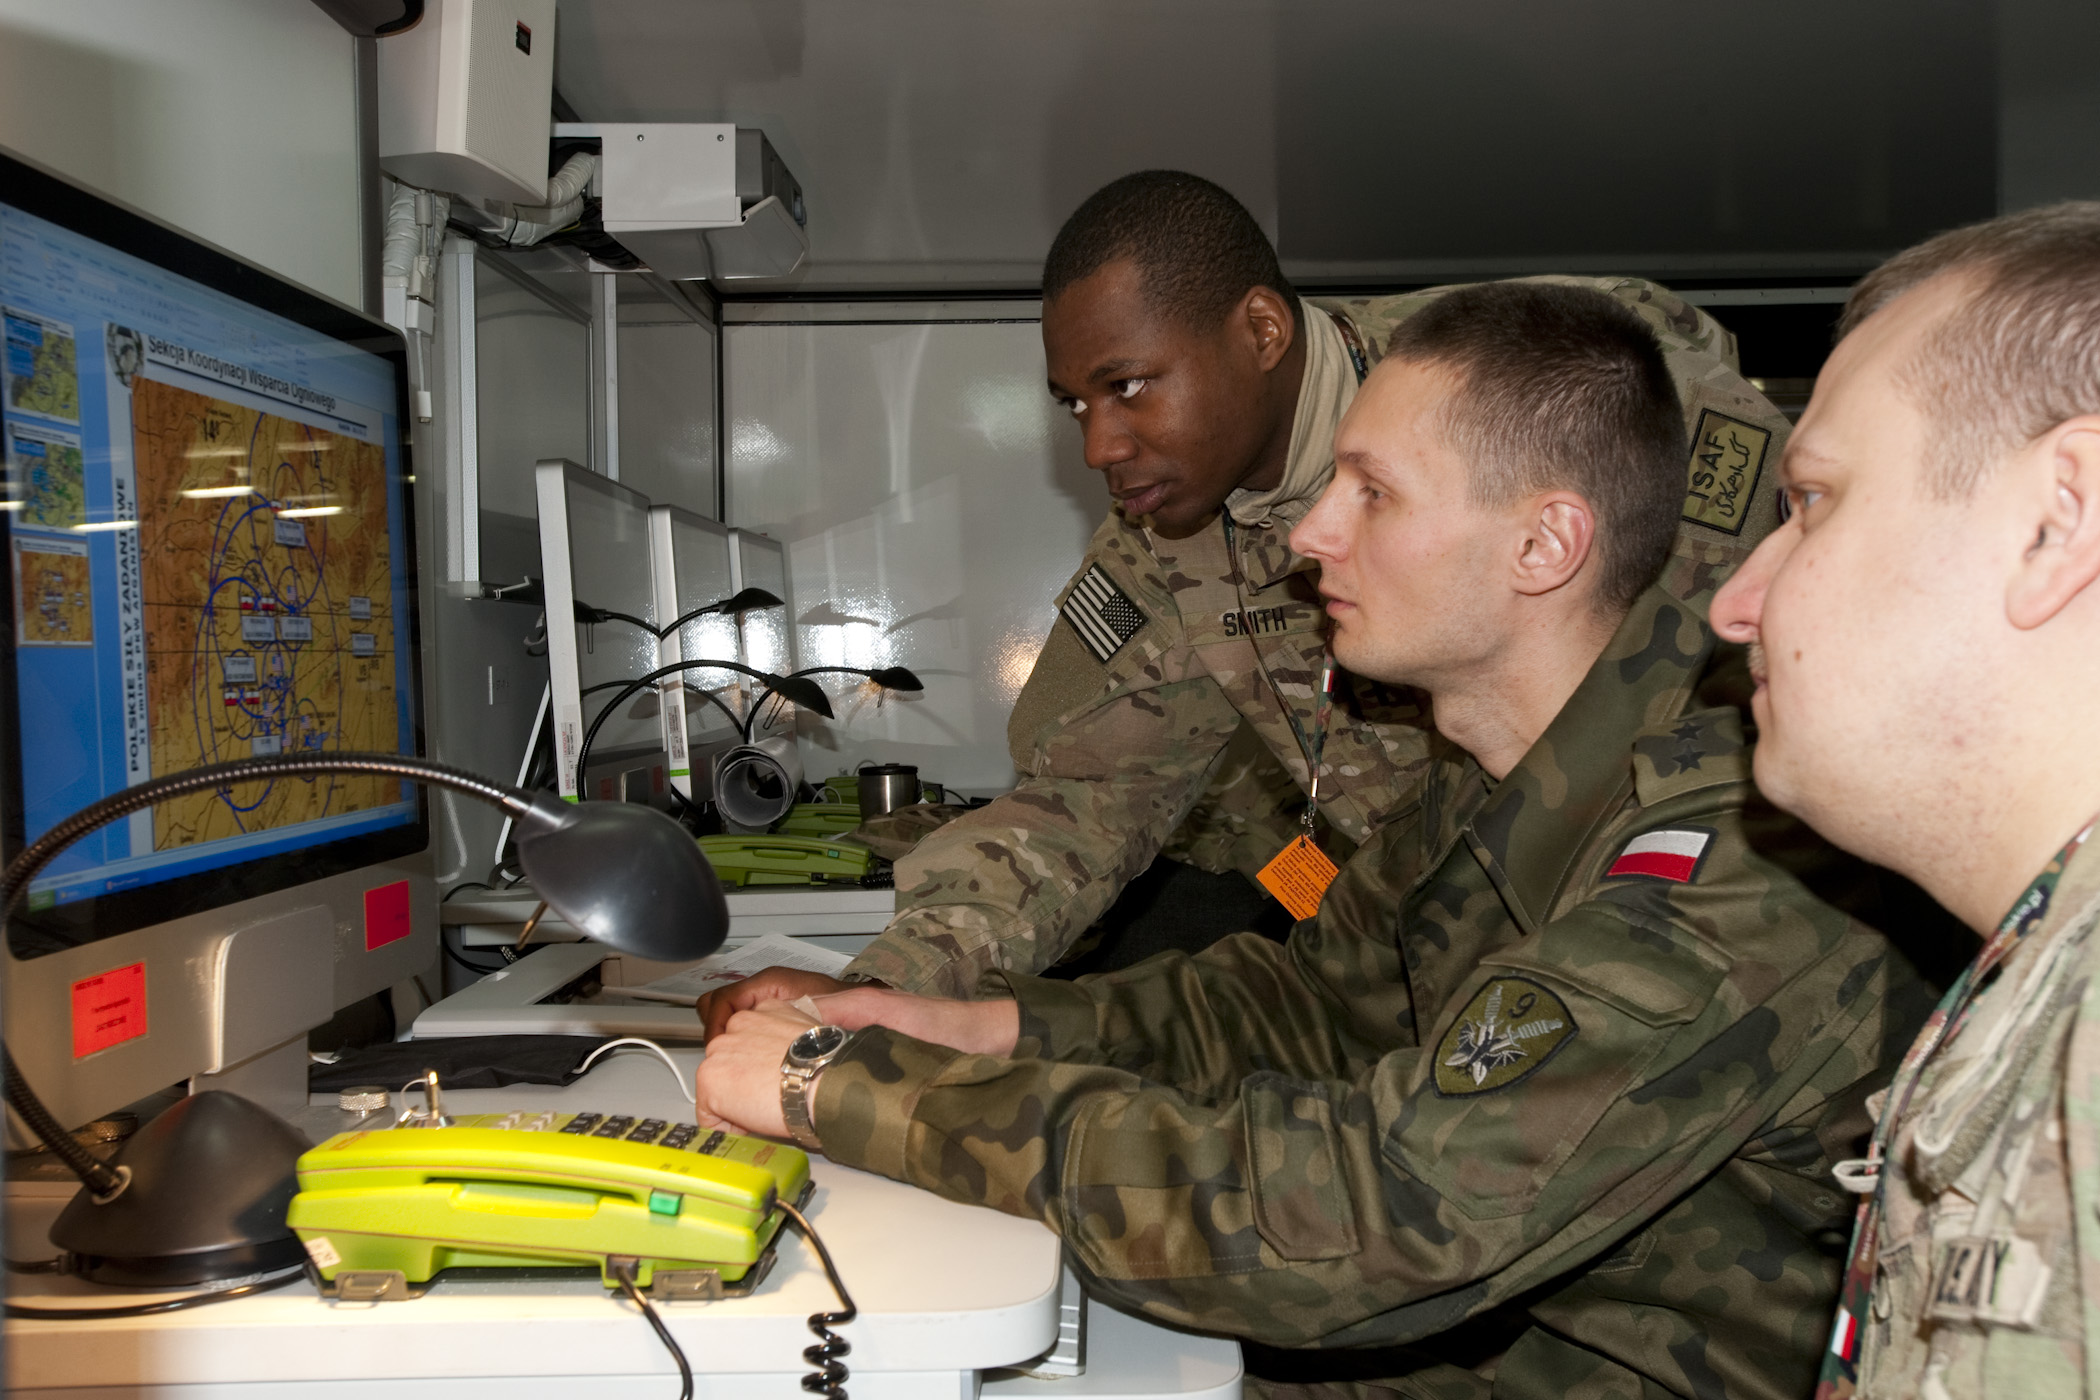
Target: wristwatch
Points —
{"points": [[806, 1057]]}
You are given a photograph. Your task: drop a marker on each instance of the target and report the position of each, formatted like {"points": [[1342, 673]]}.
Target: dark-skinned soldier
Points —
{"points": [[1180, 676]]}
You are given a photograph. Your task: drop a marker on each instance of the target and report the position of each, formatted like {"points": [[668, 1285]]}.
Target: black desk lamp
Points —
{"points": [[883, 678], [742, 601], [199, 1194], [793, 689], [746, 600]]}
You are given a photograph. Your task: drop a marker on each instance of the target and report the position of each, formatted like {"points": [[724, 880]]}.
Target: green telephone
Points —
{"points": [[694, 1211], [786, 860], [818, 819]]}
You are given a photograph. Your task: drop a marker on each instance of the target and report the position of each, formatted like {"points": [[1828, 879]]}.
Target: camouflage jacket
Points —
{"points": [[1987, 1280], [1173, 694], [1567, 1058]]}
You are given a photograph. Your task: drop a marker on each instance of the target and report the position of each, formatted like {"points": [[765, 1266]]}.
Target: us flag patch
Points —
{"points": [[1101, 613], [1674, 854]]}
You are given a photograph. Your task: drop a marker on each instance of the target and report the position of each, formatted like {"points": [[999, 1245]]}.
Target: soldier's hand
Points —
{"points": [[738, 1085], [973, 1027], [773, 984]]}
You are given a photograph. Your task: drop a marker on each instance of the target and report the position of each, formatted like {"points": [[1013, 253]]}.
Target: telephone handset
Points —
{"points": [[681, 1212]]}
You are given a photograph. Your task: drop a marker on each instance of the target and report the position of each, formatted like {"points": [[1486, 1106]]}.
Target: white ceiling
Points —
{"points": [[941, 142]]}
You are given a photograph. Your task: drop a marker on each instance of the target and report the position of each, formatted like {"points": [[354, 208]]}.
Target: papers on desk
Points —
{"points": [[771, 950]]}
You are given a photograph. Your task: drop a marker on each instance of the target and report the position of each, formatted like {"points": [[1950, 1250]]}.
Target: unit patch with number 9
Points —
{"points": [[1511, 1027]]}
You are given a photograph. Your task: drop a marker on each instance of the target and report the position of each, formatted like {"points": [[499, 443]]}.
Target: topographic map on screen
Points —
{"points": [[270, 625]]}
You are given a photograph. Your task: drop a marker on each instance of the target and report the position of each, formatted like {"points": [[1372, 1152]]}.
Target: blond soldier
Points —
{"points": [[1547, 1098], [1927, 632], [1190, 642]]}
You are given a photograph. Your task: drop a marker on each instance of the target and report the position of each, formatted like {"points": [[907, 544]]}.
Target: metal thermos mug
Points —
{"points": [[884, 787]]}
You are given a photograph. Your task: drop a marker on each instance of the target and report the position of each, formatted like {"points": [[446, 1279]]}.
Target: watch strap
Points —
{"points": [[795, 1083]]}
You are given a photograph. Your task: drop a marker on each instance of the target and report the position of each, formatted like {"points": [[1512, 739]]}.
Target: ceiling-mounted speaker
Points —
{"points": [[466, 99], [372, 19]]}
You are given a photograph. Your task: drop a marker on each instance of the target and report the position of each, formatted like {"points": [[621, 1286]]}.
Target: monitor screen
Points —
{"points": [[210, 556]]}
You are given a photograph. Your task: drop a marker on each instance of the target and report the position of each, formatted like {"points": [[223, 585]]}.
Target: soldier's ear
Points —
{"points": [[2056, 492], [1269, 324], [1556, 532]]}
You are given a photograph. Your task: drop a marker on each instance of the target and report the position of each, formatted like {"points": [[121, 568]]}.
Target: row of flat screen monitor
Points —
{"points": [[606, 546], [210, 545]]}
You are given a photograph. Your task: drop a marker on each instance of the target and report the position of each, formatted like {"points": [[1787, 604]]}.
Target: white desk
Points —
{"points": [[510, 1000], [944, 1290], [495, 916]]}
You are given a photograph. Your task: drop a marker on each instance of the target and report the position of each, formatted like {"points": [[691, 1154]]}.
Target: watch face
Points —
{"points": [[816, 1041]]}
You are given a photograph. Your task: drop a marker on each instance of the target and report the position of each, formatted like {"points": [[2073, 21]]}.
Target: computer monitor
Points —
{"points": [[690, 555], [210, 555], [594, 548]]}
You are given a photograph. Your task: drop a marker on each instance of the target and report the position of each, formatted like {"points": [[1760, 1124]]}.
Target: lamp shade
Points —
{"points": [[623, 875], [896, 678], [802, 693]]}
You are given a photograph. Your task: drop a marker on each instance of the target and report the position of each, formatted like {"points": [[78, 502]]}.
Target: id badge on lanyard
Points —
{"points": [[1299, 875]]}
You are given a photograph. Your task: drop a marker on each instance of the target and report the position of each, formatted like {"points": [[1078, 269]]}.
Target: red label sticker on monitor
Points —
{"points": [[386, 915], [109, 1009]]}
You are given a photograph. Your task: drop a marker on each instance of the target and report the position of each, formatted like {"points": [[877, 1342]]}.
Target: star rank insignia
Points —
{"points": [[1509, 1029], [1102, 614]]}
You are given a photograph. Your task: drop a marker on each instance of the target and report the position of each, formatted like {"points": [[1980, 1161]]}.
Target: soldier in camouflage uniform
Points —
{"points": [[1550, 1091], [1945, 546], [1180, 677]]}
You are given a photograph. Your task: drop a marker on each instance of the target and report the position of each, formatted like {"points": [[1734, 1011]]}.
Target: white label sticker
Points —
{"points": [[290, 533], [568, 737], [295, 629], [361, 609], [322, 1252], [363, 644]]}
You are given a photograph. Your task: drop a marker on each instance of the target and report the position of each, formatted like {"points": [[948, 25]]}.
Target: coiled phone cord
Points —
{"points": [[829, 1379]]}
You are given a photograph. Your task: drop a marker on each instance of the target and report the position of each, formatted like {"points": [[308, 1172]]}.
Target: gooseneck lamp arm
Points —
{"points": [[736, 720], [745, 600], [677, 911], [806, 694]]}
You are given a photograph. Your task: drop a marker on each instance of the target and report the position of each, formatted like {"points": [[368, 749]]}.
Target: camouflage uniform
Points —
{"points": [[1982, 1247], [1564, 1061], [1183, 674]]}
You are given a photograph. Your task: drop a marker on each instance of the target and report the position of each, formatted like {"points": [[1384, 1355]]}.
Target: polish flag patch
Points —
{"points": [[1843, 1334], [1674, 854]]}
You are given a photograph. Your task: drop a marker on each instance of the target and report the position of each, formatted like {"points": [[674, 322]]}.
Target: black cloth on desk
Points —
{"points": [[462, 1062]]}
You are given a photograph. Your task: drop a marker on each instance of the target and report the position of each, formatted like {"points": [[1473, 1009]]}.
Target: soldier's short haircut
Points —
{"points": [[1562, 388], [1197, 249], [2019, 355]]}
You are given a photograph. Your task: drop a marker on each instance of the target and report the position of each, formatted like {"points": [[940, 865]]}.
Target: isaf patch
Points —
{"points": [[1102, 614], [1673, 855], [1728, 457], [1510, 1028]]}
